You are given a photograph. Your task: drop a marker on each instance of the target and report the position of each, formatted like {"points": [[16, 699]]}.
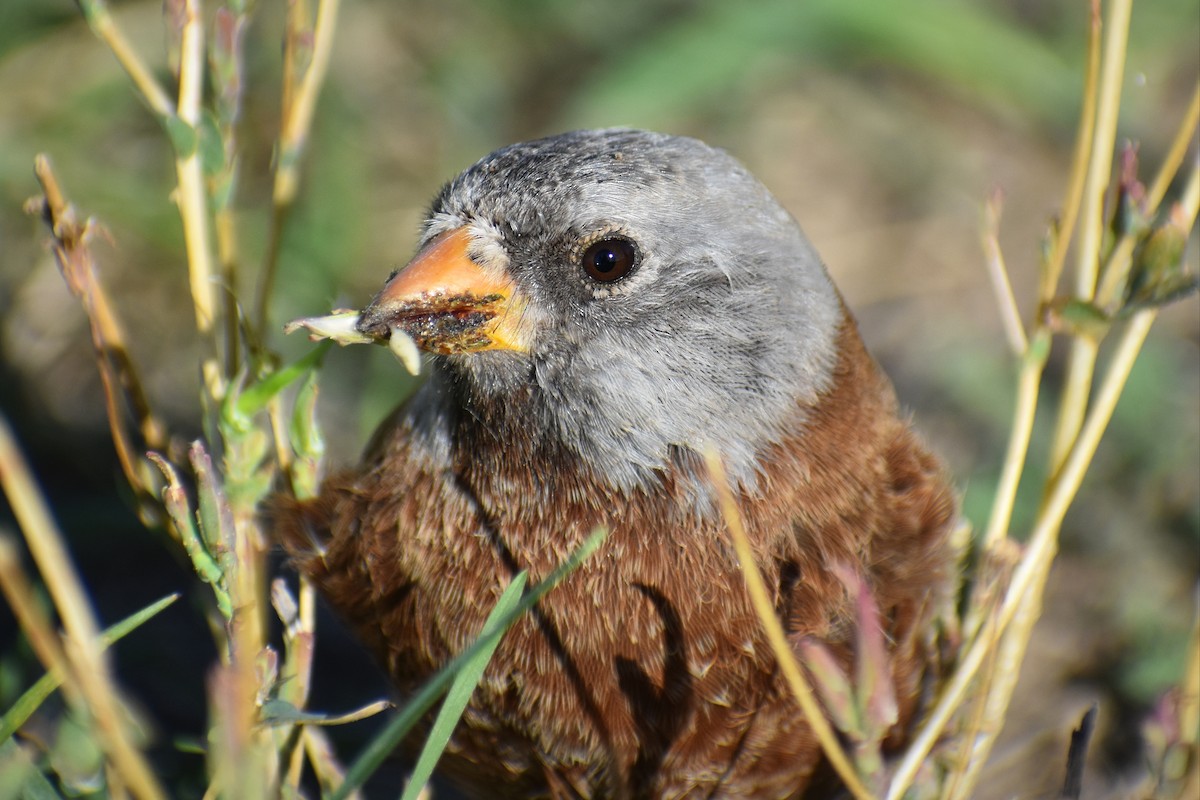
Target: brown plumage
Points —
{"points": [[645, 674]]}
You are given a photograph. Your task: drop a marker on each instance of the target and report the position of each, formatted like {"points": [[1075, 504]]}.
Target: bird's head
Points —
{"points": [[635, 295]]}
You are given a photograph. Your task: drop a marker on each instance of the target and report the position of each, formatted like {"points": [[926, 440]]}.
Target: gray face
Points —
{"points": [[722, 332]]}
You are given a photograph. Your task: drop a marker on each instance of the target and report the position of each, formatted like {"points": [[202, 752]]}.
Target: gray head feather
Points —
{"points": [[723, 333]]}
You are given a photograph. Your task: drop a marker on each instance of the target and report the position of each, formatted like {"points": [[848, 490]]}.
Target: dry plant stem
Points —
{"points": [[298, 120], [225, 232], [192, 196], [1176, 153], [1028, 388], [249, 752], [1029, 382], [998, 272], [31, 619], [82, 641], [1029, 580], [295, 672], [775, 635], [1038, 554], [247, 634], [279, 435], [106, 30], [956, 774], [122, 387], [1052, 268], [325, 764], [1081, 366], [299, 105], [236, 772], [1001, 675]]}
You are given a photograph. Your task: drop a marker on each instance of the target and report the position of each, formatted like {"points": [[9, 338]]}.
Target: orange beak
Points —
{"points": [[448, 303]]}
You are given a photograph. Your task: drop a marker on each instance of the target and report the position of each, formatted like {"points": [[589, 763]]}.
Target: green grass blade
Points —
{"points": [[20, 777], [395, 731], [35, 695], [239, 408], [460, 691]]}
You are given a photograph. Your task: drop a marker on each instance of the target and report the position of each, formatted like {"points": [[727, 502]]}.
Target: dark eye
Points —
{"points": [[608, 260]]}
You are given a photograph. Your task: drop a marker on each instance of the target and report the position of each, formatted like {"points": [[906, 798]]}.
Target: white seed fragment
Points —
{"points": [[404, 348]]}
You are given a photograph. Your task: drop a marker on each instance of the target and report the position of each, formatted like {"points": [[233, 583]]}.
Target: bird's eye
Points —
{"points": [[610, 259]]}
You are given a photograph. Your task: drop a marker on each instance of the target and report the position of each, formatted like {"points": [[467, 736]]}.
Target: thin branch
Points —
{"points": [[1189, 700], [192, 196], [1184, 138], [775, 635], [998, 272], [82, 642], [1039, 552], [1052, 268], [105, 27], [298, 121], [299, 106], [1081, 366], [39, 631], [123, 390], [1028, 389]]}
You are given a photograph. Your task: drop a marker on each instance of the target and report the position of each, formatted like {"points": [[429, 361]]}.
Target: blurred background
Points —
{"points": [[882, 126]]}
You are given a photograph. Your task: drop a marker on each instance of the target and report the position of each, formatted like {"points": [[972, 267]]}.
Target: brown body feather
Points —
{"points": [[645, 674]]}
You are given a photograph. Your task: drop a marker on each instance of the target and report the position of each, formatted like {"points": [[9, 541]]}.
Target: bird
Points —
{"points": [[600, 308]]}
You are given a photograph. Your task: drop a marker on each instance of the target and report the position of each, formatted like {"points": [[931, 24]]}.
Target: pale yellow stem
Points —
{"points": [[1176, 153], [1010, 317], [192, 195], [1082, 363], [1028, 389], [82, 645], [775, 635], [1039, 552], [152, 92], [1052, 269], [297, 122]]}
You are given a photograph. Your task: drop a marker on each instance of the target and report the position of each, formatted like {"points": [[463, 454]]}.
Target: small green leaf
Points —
{"points": [[212, 146], [1079, 318], [1157, 275], [216, 518], [307, 442], [278, 712], [183, 136], [203, 562], [240, 407]]}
